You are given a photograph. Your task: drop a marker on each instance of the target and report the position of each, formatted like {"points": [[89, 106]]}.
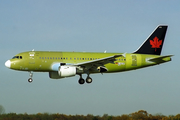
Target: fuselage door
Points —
{"points": [[134, 60], [31, 60]]}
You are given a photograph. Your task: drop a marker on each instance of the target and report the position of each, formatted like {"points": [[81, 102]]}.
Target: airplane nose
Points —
{"points": [[8, 64]]}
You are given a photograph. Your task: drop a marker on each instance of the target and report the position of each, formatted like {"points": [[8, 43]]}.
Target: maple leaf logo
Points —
{"points": [[156, 43]]}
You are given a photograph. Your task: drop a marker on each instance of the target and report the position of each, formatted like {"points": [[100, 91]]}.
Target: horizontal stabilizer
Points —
{"points": [[161, 59]]}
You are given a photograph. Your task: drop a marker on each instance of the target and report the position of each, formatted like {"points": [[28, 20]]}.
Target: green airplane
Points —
{"points": [[68, 64]]}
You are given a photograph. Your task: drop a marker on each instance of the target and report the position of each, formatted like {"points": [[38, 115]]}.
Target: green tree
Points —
{"points": [[140, 115], [124, 117], [177, 117], [2, 110]]}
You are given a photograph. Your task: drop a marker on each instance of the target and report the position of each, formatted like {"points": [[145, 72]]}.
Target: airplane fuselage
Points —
{"points": [[46, 61]]}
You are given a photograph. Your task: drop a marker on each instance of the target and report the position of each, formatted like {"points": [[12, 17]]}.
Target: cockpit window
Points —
{"points": [[17, 57]]}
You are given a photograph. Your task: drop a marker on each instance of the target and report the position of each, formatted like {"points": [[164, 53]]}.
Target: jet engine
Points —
{"points": [[67, 71], [63, 71]]}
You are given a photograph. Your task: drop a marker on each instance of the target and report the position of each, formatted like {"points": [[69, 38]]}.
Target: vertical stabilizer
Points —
{"points": [[153, 45]]}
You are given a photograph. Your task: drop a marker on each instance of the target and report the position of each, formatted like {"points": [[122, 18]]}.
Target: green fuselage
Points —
{"points": [[46, 61]]}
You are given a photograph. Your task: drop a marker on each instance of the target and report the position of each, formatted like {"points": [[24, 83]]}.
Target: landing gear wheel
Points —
{"points": [[88, 80], [30, 80], [81, 81]]}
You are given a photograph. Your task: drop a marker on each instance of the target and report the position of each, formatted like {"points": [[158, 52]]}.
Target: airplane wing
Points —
{"points": [[92, 65]]}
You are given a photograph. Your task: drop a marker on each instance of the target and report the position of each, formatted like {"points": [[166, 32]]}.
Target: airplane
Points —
{"points": [[68, 64]]}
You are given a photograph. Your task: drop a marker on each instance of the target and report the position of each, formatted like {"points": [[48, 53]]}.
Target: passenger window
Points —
{"points": [[20, 57]]}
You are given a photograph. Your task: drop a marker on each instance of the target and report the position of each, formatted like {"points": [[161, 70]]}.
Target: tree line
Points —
{"points": [[139, 115]]}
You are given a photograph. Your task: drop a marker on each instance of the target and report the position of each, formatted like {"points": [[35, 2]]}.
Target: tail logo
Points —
{"points": [[156, 43]]}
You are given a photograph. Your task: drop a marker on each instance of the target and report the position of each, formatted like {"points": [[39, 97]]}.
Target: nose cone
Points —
{"points": [[8, 64]]}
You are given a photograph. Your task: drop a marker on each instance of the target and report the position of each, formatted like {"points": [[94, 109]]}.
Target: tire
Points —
{"points": [[88, 80], [30, 80], [81, 81]]}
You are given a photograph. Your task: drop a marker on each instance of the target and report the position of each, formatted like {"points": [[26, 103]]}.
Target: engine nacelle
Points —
{"points": [[67, 71], [63, 71], [54, 75]]}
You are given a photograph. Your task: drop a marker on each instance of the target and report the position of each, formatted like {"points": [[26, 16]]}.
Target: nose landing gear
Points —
{"points": [[30, 80], [31, 75]]}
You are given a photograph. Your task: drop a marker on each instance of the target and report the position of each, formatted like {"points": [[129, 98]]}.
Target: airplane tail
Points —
{"points": [[153, 45]]}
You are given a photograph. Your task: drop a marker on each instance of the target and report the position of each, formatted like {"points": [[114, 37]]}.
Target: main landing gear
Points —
{"points": [[30, 79], [82, 81]]}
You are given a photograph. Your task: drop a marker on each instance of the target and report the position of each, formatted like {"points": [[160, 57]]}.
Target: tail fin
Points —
{"points": [[153, 45]]}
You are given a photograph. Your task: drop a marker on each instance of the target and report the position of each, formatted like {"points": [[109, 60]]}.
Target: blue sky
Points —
{"points": [[92, 26]]}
